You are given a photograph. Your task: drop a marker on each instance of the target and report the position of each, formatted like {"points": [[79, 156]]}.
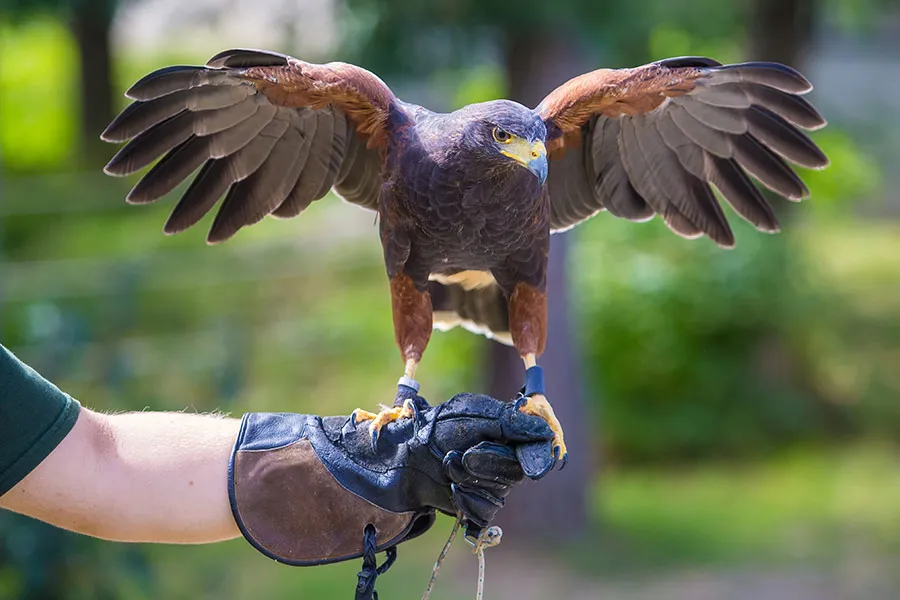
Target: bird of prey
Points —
{"points": [[467, 200]]}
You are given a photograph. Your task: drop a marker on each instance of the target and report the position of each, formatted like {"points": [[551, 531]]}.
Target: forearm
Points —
{"points": [[138, 477]]}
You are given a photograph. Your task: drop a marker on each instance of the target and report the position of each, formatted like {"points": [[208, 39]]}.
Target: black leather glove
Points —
{"points": [[303, 488]]}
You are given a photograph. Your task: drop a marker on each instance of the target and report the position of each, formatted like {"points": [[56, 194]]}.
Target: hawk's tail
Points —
{"points": [[481, 310]]}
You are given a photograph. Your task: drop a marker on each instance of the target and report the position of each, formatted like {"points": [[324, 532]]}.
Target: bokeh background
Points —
{"points": [[733, 416]]}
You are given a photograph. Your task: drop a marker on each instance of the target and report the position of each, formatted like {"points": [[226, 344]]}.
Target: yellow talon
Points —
{"points": [[359, 415], [387, 415], [539, 406]]}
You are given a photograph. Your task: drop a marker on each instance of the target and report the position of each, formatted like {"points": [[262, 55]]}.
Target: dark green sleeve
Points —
{"points": [[34, 418]]}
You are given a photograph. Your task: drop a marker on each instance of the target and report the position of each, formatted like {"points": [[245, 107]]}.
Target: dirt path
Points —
{"points": [[512, 576]]}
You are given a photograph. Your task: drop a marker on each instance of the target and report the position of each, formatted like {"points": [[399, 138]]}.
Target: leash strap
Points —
{"points": [[365, 587]]}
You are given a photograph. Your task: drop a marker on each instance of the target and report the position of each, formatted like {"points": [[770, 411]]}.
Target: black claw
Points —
{"points": [[562, 463], [415, 409], [353, 418], [374, 440], [520, 402], [417, 416]]}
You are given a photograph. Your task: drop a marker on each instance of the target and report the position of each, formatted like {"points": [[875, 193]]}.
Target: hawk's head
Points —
{"points": [[506, 133]]}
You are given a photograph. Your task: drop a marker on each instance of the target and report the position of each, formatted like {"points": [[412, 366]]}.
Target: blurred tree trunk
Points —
{"points": [[91, 24], [781, 31], [556, 506]]}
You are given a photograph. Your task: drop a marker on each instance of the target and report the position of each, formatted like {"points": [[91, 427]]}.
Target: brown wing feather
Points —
{"points": [[659, 135], [360, 94], [272, 132], [612, 92]]}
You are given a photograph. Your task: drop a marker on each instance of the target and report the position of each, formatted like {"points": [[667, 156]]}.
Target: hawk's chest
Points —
{"points": [[471, 219]]}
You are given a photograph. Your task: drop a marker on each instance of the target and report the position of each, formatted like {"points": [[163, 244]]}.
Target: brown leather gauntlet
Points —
{"points": [[293, 510], [303, 488]]}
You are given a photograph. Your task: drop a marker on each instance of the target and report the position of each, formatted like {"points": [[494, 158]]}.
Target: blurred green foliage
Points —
{"points": [[37, 113], [408, 36], [807, 505], [692, 353], [704, 352]]}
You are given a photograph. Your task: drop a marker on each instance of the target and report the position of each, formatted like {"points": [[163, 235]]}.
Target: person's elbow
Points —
{"points": [[71, 488]]}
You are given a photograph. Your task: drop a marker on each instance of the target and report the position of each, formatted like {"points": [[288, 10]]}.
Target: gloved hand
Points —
{"points": [[303, 488]]}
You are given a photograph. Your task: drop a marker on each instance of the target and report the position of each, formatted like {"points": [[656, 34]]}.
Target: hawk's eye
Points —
{"points": [[502, 136]]}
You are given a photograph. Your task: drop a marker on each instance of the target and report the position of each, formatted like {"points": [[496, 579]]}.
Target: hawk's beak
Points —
{"points": [[532, 156], [538, 163]]}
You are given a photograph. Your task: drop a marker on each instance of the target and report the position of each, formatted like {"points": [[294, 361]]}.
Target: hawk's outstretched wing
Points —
{"points": [[271, 132], [650, 140]]}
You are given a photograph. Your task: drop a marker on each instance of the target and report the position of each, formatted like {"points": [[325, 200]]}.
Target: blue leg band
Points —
{"points": [[534, 381], [407, 388]]}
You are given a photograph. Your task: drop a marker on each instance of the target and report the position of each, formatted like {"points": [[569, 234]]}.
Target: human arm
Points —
{"points": [[147, 476], [135, 477]]}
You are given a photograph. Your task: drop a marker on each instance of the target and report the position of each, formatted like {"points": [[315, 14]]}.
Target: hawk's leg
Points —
{"points": [[528, 327], [538, 405], [412, 329]]}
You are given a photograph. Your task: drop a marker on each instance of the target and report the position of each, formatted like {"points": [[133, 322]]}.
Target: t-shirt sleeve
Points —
{"points": [[35, 416]]}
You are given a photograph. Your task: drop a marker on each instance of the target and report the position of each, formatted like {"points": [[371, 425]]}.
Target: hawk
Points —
{"points": [[467, 200]]}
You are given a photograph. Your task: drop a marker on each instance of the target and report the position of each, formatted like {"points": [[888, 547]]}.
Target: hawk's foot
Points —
{"points": [[539, 406], [387, 415]]}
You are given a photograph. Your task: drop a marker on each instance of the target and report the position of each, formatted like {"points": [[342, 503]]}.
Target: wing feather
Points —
{"points": [[239, 208], [229, 141], [714, 117], [688, 193], [269, 132], [336, 153], [360, 182], [657, 137], [205, 190], [788, 141], [712, 140], [173, 79], [148, 145], [768, 168], [611, 180], [171, 170], [140, 116], [796, 109], [774, 75], [266, 188], [744, 197], [315, 171], [640, 173], [209, 122], [574, 177]]}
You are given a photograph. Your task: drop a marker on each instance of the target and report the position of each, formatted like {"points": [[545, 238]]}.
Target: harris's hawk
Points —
{"points": [[467, 200]]}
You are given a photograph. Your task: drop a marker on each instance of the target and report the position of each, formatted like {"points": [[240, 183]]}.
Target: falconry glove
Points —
{"points": [[304, 488]]}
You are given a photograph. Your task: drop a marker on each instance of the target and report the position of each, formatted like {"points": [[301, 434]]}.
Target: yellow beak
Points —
{"points": [[533, 156]]}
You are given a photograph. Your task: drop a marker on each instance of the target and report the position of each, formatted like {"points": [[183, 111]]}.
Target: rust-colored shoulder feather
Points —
{"points": [[363, 97], [613, 92]]}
